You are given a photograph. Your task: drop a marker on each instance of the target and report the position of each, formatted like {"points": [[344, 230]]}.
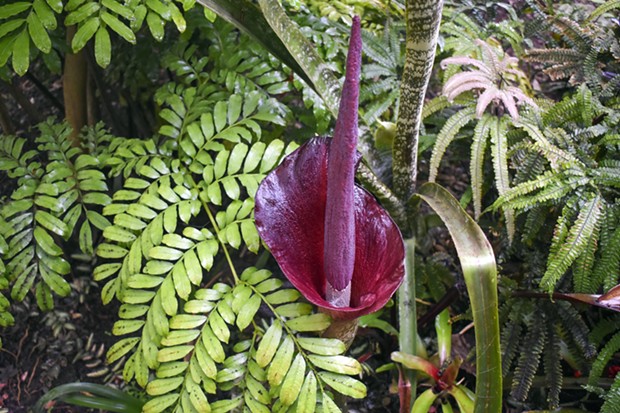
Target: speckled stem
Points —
{"points": [[423, 18]]}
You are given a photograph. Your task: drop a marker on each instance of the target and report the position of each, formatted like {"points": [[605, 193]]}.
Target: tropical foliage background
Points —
{"points": [[135, 133]]}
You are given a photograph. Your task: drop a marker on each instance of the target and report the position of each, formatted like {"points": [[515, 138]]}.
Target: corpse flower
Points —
{"points": [[331, 238]]}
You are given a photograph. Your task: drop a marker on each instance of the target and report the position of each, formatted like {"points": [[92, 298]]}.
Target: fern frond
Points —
{"points": [[604, 355], [499, 154], [447, 134], [536, 219], [553, 368], [529, 359], [612, 397], [478, 148], [579, 332], [602, 9], [575, 244], [510, 340], [607, 266], [582, 270]]}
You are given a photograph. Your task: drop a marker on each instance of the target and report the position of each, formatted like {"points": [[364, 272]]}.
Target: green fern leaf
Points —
{"points": [[481, 132], [447, 135], [586, 224], [529, 359]]}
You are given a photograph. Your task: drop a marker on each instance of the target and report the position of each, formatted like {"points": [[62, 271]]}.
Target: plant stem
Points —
{"points": [[407, 314], [74, 82], [423, 18]]}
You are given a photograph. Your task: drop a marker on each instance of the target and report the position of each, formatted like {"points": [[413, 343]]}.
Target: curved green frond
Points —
{"points": [[575, 244], [447, 135]]}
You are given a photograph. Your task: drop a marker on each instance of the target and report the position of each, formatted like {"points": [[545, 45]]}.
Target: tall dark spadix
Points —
{"points": [[339, 250]]}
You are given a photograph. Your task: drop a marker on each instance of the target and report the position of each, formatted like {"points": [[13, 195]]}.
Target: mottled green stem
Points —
{"points": [[387, 198], [322, 77], [423, 18], [407, 316]]}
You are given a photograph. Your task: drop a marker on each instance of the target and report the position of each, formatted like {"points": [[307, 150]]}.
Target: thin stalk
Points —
{"points": [[423, 18], [407, 338], [74, 82]]}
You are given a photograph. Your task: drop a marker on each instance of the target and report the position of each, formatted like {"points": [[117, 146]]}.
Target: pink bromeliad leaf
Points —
{"points": [[332, 239]]}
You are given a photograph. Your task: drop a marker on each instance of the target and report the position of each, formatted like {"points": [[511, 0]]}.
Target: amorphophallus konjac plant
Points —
{"points": [[331, 238]]}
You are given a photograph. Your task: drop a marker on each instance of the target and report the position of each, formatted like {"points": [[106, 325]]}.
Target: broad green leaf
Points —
{"points": [[219, 327], [213, 345], [224, 406], [271, 156], [86, 238], [82, 13], [119, 27], [10, 10], [293, 381], [45, 14], [43, 295], [173, 353], [294, 310], [313, 322], [248, 311], [187, 321], [322, 346], [51, 223], [58, 284], [283, 296], [38, 34], [344, 384], [45, 241], [122, 327], [307, 395], [269, 344], [156, 26], [478, 264], [85, 32], [281, 362], [21, 53], [56, 5], [118, 8], [103, 47], [336, 364], [162, 386]]}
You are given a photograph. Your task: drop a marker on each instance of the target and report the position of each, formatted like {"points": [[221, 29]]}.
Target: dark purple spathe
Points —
{"points": [[330, 237]]}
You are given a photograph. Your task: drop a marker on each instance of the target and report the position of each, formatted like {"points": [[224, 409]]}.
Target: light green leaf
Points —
{"points": [[248, 311], [293, 381], [21, 53], [307, 395], [156, 26], [118, 8], [10, 10], [119, 27], [57, 283], [344, 384], [84, 33], [162, 386], [313, 322], [159, 404], [103, 47], [322, 346], [269, 344], [213, 345], [82, 13], [51, 223], [281, 362], [120, 348], [336, 364], [173, 353], [38, 34]]}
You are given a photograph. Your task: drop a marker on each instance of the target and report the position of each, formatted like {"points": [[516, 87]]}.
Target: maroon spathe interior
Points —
{"points": [[290, 211]]}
